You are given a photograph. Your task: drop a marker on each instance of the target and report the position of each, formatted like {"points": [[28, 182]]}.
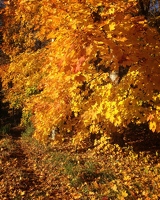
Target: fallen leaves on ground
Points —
{"points": [[30, 170]]}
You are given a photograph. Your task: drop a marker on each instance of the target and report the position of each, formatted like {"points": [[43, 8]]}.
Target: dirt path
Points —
{"points": [[17, 177], [26, 172]]}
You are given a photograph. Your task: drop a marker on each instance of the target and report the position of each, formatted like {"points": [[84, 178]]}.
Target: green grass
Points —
{"points": [[5, 129]]}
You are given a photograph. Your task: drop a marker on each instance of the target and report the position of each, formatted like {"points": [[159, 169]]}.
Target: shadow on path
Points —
{"points": [[17, 177]]}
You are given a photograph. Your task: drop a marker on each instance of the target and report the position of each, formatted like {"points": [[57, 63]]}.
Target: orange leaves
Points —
{"points": [[65, 69], [80, 78], [150, 117], [127, 17], [80, 61]]}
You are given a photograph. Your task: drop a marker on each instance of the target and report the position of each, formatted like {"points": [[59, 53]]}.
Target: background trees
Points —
{"points": [[63, 54]]}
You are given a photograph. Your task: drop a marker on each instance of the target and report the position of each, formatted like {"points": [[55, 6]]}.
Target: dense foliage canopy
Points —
{"points": [[82, 66]]}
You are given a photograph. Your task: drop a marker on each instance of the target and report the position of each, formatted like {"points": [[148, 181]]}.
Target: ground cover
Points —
{"points": [[30, 170]]}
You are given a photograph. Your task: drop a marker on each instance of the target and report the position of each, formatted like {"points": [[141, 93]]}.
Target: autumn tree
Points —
{"points": [[84, 67]]}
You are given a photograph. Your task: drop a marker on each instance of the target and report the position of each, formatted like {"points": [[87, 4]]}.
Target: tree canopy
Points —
{"points": [[82, 66]]}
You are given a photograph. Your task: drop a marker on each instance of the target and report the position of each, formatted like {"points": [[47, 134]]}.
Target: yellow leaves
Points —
{"points": [[109, 27], [67, 74], [111, 10], [76, 195], [142, 22], [94, 128], [74, 26], [123, 195], [90, 26], [114, 188], [102, 141], [109, 35], [127, 178], [112, 26], [152, 126], [122, 39], [22, 193], [96, 185], [152, 122], [51, 35], [118, 121], [89, 50]]}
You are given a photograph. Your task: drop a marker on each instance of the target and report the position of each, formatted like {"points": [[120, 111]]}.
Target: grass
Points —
{"points": [[28, 131], [5, 129]]}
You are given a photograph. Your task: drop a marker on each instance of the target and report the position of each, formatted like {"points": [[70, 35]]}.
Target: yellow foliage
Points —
{"points": [[152, 125], [62, 55]]}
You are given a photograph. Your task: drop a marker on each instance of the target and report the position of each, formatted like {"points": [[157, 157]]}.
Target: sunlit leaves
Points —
{"points": [[111, 10], [112, 26], [65, 52], [152, 125]]}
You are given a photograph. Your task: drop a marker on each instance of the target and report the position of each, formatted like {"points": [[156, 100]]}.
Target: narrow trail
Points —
{"points": [[17, 177], [24, 173], [27, 173]]}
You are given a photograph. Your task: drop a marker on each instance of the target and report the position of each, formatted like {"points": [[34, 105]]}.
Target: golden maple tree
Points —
{"points": [[83, 67]]}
